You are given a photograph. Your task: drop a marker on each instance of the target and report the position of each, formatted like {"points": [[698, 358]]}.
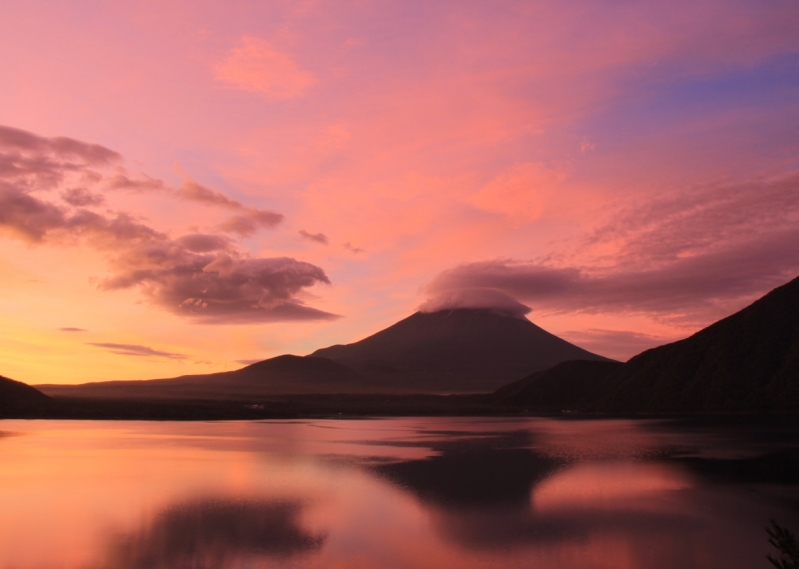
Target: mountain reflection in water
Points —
{"points": [[394, 493]]}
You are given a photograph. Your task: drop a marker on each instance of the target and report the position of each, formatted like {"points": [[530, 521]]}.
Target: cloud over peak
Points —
{"points": [[474, 297]]}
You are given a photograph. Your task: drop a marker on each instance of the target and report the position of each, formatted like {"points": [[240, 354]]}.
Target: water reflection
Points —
{"points": [[499, 491], [399, 493], [213, 533]]}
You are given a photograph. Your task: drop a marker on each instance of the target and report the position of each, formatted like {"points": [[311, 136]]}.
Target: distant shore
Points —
{"points": [[337, 407]]}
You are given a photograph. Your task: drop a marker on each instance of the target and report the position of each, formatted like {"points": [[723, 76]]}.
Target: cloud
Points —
{"points": [[254, 65], [214, 532], [81, 197], [206, 277], [350, 247], [71, 329], [316, 237], [475, 298], [687, 291], [66, 149], [701, 219], [136, 350], [688, 258], [247, 223], [218, 287]]}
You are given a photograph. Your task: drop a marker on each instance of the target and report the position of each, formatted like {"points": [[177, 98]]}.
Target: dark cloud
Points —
{"points": [[317, 237], [71, 329], [218, 288], [82, 197], [201, 276], [69, 148], [121, 181], [195, 192], [214, 532], [26, 216], [247, 223], [203, 243], [136, 350]]}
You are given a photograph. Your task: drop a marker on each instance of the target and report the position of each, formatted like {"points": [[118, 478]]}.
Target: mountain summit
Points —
{"points": [[451, 351]]}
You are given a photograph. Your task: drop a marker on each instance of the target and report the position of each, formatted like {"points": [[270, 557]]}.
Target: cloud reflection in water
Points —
{"points": [[213, 533]]}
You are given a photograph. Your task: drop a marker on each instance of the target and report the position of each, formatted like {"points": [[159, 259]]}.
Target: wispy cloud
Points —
{"points": [[136, 350], [71, 329], [687, 258], [254, 65], [352, 248]]}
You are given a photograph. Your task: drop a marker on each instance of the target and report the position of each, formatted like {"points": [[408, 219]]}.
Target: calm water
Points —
{"points": [[460, 493]]}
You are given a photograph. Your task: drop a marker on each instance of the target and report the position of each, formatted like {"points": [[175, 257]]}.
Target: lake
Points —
{"points": [[392, 493]]}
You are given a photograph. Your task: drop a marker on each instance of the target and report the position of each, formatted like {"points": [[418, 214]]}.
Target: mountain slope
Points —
{"points": [[571, 385], [746, 362], [17, 397], [282, 375], [451, 351]]}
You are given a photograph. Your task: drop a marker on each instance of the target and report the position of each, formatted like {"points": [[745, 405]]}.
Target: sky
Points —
{"points": [[186, 187]]}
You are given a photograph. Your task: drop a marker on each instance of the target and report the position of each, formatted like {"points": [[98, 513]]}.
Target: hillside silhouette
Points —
{"points": [[18, 399], [282, 375], [745, 363]]}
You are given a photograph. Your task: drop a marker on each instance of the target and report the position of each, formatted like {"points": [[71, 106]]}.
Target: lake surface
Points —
{"points": [[392, 493]]}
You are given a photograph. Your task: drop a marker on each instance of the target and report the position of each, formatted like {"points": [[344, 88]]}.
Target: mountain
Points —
{"points": [[19, 399], [745, 363], [282, 375], [571, 385], [454, 351]]}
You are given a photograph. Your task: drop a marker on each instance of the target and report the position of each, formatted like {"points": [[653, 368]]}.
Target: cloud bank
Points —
{"points": [[687, 258], [206, 277]]}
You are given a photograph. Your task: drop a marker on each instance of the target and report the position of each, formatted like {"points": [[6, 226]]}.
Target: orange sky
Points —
{"points": [[188, 185]]}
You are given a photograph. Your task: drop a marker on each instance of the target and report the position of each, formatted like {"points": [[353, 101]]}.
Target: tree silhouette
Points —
{"points": [[786, 544]]}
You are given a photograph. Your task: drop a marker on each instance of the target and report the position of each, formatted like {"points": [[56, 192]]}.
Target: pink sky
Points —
{"points": [[184, 186]]}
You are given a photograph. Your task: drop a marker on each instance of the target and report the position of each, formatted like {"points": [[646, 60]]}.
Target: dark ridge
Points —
{"points": [[18, 399], [566, 386], [747, 362], [455, 351], [283, 375]]}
